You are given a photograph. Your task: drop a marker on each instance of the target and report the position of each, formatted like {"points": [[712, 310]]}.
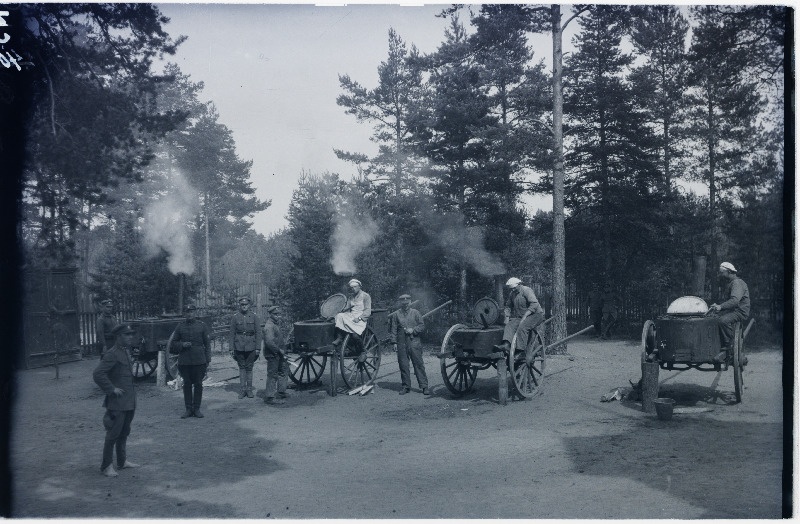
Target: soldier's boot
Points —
{"points": [[250, 390], [242, 383], [198, 398]]}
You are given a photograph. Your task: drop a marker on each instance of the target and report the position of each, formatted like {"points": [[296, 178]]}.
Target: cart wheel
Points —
{"points": [[171, 360], [143, 364], [305, 368], [648, 339], [457, 371], [738, 365], [527, 366], [359, 365]]}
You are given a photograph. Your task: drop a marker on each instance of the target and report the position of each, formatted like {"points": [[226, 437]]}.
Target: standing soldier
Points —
{"points": [[106, 323], [245, 343], [191, 337], [522, 314], [405, 326], [276, 359], [115, 377]]}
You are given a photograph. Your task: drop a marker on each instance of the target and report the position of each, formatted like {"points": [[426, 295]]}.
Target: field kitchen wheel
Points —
{"points": [[738, 363], [527, 366], [648, 339], [457, 371], [143, 364], [171, 360], [360, 362], [304, 368]]}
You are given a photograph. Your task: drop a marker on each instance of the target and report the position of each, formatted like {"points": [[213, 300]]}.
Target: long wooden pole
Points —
{"points": [[557, 342]]}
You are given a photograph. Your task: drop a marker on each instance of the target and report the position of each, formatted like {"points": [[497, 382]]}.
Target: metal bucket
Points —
{"points": [[664, 408]]}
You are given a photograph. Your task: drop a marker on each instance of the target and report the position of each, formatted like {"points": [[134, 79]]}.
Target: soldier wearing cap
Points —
{"points": [[354, 317], [405, 326], [276, 359], [106, 323], [245, 343], [191, 338], [522, 314], [115, 377], [735, 309]]}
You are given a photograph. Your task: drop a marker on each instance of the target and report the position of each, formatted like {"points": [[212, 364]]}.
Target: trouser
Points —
{"points": [[609, 319], [597, 319], [523, 328], [727, 324], [277, 368], [245, 360], [406, 350], [192, 384], [118, 427]]}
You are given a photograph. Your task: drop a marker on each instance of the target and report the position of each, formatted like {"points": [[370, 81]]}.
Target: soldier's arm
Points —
{"points": [[533, 303], [271, 339], [206, 342], [419, 326], [737, 293], [367, 307], [232, 334], [100, 374]]}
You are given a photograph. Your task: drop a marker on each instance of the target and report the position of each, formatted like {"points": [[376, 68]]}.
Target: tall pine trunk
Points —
{"points": [[559, 325]]}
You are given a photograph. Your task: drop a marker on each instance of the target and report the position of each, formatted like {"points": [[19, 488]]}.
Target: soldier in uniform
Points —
{"points": [[276, 359], [115, 377], [245, 343], [522, 314], [191, 338], [405, 326], [106, 323]]}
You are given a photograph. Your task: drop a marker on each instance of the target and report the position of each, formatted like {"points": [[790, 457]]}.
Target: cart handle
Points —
{"points": [[747, 329]]}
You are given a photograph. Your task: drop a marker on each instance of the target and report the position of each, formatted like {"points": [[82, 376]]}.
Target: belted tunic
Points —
{"points": [[245, 332]]}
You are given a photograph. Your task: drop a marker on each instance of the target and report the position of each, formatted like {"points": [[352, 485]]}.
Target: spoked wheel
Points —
{"points": [[304, 368], [527, 366], [648, 339], [143, 364], [360, 360], [458, 373], [738, 363], [171, 360]]}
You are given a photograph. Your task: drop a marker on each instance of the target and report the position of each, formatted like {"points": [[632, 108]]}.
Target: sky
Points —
{"points": [[272, 72]]}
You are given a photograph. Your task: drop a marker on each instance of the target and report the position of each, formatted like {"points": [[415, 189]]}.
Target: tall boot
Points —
{"points": [[242, 383], [250, 392], [198, 398]]}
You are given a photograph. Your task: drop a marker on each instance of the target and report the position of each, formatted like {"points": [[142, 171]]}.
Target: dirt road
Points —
{"points": [[563, 454]]}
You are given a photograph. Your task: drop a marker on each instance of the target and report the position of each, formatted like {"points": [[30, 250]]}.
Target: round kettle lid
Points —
{"points": [[488, 309], [333, 304], [688, 305]]}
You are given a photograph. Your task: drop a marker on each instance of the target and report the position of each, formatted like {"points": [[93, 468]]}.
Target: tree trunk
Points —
{"points": [[712, 187], [208, 249], [462, 290], [559, 324]]}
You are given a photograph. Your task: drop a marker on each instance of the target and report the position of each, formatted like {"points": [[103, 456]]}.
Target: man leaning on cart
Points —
{"points": [[522, 314], [735, 309]]}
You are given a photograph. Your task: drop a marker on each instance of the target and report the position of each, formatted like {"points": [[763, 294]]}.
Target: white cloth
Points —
{"points": [[358, 306]]}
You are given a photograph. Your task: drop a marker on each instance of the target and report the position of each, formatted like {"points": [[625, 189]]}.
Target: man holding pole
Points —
{"points": [[405, 326], [276, 359]]}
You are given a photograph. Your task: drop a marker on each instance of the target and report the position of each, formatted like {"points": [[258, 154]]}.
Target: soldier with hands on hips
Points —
{"points": [[192, 339], [245, 343], [275, 391], [115, 377], [405, 326]]}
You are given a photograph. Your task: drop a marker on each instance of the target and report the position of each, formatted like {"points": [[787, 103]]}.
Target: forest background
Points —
{"points": [[131, 178]]}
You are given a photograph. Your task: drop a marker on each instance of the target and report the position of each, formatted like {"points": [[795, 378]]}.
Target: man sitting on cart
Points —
{"points": [[735, 309], [522, 314], [353, 319]]}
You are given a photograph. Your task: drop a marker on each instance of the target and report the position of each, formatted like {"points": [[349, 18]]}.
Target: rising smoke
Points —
{"points": [[349, 238], [167, 224], [462, 242]]}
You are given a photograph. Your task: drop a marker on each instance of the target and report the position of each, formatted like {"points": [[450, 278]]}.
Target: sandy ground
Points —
{"points": [[563, 454]]}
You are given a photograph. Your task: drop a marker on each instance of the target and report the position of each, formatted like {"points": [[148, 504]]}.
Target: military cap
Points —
{"points": [[122, 328], [728, 266], [405, 297], [272, 309], [106, 302], [190, 307], [244, 300]]}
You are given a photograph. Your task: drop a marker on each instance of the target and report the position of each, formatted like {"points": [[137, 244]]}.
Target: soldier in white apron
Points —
{"points": [[354, 317]]}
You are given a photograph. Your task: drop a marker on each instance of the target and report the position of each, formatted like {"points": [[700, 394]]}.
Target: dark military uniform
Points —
{"points": [[192, 360], [520, 300], [409, 346], [276, 362], [106, 323], [735, 309], [245, 343], [114, 371]]}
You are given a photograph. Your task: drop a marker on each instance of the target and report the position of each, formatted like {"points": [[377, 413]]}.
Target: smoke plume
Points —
{"points": [[350, 237], [167, 224], [463, 243]]}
